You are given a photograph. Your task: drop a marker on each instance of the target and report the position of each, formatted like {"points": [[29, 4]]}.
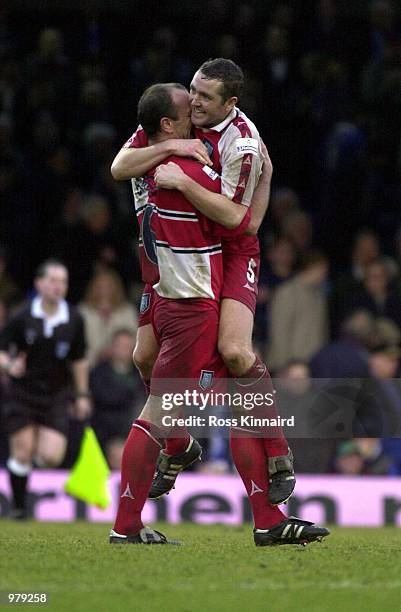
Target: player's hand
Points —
{"points": [[168, 176], [17, 367], [192, 148], [82, 408]]}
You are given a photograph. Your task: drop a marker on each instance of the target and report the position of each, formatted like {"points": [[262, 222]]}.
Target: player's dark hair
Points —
{"points": [[49, 263], [155, 103], [226, 71]]}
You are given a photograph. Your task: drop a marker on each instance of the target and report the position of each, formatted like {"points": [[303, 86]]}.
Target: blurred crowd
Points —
{"points": [[323, 85]]}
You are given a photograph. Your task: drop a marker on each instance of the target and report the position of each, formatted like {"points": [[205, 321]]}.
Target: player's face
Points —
{"points": [[208, 107], [54, 285], [182, 125]]}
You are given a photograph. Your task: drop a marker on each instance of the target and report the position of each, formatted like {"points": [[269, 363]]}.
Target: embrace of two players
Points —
{"points": [[199, 203]]}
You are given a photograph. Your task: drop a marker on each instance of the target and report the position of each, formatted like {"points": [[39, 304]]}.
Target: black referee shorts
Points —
{"points": [[21, 409]]}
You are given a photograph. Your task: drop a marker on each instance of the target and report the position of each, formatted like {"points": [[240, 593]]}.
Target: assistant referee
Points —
{"points": [[42, 349]]}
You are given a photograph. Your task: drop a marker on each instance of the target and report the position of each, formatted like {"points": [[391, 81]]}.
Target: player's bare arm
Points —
{"points": [[213, 205], [134, 162], [218, 207], [261, 195]]}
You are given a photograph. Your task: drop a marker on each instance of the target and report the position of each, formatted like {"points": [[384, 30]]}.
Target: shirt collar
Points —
{"points": [[221, 126], [60, 316]]}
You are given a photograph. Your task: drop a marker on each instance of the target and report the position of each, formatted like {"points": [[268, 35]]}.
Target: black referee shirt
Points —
{"points": [[50, 346]]}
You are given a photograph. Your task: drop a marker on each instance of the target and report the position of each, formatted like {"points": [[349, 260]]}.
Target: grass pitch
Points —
{"points": [[218, 570]]}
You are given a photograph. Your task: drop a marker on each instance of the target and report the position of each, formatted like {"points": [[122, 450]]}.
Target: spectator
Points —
{"points": [[299, 314], [94, 106], [296, 396], [117, 390], [49, 82], [105, 309], [298, 228], [365, 249], [348, 356], [283, 202], [384, 368], [278, 267], [96, 239], [376, 293], [392, 448], [385, 333], [362, 456]]}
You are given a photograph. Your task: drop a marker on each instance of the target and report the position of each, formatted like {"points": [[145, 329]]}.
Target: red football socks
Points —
{"points": [[258, 380], [178, 439], [176, 446], [140, 454], [250, 460]]}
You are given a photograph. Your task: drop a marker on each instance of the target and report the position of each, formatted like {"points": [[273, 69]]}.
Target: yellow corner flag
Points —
{"points": [[89, 474]]}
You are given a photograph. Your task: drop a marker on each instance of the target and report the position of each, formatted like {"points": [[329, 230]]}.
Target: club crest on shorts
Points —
{"points": [[62, 349], [206, 379], [145, 303]]}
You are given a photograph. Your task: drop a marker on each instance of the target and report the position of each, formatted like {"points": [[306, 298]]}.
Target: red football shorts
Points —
{"points": [[187, 330], [241, 274]]}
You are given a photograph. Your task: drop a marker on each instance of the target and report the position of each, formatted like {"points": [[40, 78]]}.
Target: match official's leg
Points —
{"points": [[50, 448], [19, 465]]}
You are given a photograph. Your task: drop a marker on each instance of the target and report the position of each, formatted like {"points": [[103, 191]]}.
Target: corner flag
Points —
{"points": [[88, 478]]}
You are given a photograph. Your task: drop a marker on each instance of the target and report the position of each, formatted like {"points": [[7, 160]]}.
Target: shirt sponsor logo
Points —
{"points": [[247, 145], [213, 175]]}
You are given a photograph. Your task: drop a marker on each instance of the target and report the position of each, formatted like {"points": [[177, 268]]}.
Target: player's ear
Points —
{"points": [[230, 103], [166, 125]]}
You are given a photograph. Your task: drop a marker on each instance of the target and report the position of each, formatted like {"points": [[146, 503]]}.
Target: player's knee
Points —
{"points": [[231, 353], [143, 361]]}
